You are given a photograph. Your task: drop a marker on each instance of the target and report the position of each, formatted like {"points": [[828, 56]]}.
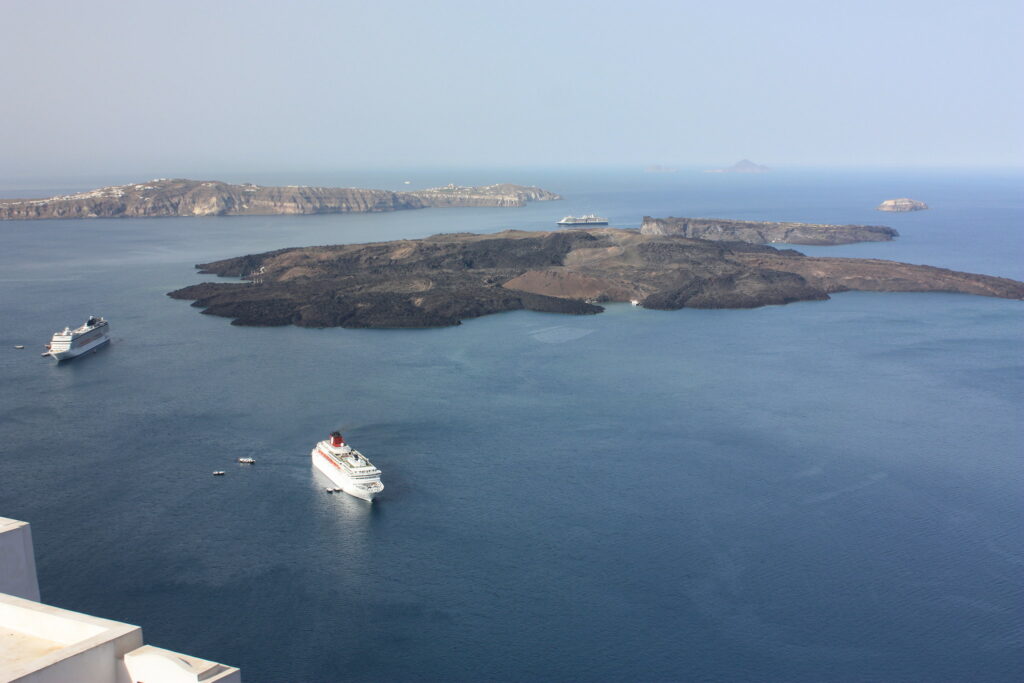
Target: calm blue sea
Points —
{"points": [[819, 491]]}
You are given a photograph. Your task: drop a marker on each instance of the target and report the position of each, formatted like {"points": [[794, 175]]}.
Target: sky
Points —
{"points": [[115, 87]]}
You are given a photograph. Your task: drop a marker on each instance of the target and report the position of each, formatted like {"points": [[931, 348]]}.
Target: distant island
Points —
{"points": [[182, 197], [445, 279], [765, 232], [900, 205], [658, 168], [742, 166]]}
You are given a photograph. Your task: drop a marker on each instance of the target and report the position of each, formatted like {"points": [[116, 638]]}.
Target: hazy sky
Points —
{"points": [[93, 86]]}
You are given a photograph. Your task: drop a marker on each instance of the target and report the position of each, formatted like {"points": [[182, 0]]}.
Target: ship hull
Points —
{"points": [[78, 351], [339, 478], [584, 223]]}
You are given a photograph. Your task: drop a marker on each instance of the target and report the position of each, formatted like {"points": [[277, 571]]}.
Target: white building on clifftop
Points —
{"points": [[44, 644]]}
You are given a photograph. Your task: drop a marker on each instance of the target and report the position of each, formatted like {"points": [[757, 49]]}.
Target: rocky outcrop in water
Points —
{"points": [[902, 204], [764, 232], [213, 198], [444, 279]]}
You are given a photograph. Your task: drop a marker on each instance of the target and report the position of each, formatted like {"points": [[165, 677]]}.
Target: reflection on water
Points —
{"points": [[559, 334], [347, 524]]}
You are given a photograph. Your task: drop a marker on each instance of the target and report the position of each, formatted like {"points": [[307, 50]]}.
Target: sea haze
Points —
{"points": [[824, 490]]}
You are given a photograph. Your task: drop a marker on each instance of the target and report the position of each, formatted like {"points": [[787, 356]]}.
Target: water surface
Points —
{"points": [[824, 490]]}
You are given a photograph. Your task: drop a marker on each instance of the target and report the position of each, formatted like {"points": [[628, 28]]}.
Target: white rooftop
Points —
{"points": [[46, 644]]}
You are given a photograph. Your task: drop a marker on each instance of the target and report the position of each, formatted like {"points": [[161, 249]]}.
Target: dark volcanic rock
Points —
{"points": [[444, 279], [875, 275], [182, 197], [433, 282], [749, 289], [765, 232]]}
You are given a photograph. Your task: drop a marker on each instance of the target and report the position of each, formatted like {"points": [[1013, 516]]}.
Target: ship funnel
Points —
{"points": [[336, 439]]}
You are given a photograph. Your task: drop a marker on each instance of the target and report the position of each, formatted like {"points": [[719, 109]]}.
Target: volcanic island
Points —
{"points": [[444, 279]]}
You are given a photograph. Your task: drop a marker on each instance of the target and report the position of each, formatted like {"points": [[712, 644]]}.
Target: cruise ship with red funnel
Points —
{"points": [[347, 468]]}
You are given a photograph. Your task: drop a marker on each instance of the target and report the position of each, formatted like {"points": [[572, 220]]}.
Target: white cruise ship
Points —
{"points": [[589, 219], [70, 343], [347, 467]]}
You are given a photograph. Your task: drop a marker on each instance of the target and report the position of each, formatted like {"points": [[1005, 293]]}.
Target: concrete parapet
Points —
{"points": [[17, 560], [150, 663], [45, 644]]}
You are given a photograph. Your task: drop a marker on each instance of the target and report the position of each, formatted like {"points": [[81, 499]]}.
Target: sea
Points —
{"points": [[826, 490]]}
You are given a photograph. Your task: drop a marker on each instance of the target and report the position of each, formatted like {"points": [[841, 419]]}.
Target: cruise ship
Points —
{"points": [[347, 467], [70, 343], [589, 219]]}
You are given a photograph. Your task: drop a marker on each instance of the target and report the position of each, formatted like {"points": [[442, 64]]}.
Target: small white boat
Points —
{"points": [[218, 473], [19, 346], [634, 302], [247, 461]]}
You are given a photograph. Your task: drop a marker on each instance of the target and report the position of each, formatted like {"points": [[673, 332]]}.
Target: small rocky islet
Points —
{"points": [[444, 279], [901, 205]]}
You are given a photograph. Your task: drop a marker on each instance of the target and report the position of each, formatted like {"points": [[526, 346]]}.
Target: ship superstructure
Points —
{"points": [[589, 219], [70, 343], [347, 467]]}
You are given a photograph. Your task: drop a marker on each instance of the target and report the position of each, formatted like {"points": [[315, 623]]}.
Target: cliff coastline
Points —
{"points": [[183, 197]]}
